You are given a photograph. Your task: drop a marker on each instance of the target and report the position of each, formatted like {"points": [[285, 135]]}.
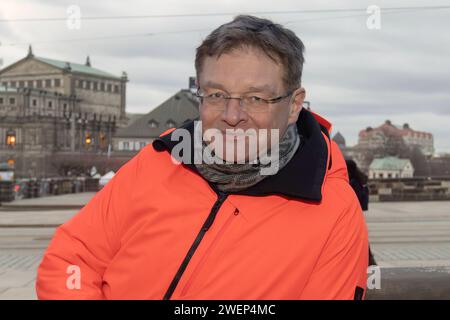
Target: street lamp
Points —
{"points": [[11, 138], [88, 140]]}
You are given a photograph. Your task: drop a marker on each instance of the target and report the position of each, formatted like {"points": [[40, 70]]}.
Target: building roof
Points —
{"points": [[389, 163], [133, 117], [85, 68], [76, 67], [171, 113], [389, 129], [339, 139]]}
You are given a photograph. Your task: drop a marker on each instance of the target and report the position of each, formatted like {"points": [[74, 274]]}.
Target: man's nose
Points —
{"points": [[233, 113]]}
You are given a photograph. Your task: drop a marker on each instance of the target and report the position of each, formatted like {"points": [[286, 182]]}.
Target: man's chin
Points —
{"points": [[238, 151], [235, 158]]}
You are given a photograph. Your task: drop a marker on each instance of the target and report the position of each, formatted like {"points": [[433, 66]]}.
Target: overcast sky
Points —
{"points": [[354, 76]]}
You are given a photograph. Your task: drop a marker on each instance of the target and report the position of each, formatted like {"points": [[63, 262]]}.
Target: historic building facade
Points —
{"points": [[393, 137], [55, 115]]}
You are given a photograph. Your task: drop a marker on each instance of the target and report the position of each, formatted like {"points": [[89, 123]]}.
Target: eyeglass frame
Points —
{"points": [[268, 101]]}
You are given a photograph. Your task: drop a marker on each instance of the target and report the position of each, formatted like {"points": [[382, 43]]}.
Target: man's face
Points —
{"points": [[246, 72]]}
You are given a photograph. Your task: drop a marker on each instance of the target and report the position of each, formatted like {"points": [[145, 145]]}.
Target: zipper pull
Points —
{"points": [[212, 215], [236, 211]]}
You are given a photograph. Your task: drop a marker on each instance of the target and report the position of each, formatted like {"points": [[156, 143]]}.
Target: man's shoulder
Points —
{"points": [[146, 161], [339, 196]]}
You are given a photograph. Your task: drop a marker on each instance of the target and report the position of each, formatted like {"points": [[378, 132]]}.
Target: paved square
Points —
{"points": [[402, 235]]}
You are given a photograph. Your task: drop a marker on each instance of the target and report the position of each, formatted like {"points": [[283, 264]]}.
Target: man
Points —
{"points": [[171, 227]]}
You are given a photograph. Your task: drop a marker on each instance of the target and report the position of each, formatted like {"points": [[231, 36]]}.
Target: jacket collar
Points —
{"points": [[301, 178]]}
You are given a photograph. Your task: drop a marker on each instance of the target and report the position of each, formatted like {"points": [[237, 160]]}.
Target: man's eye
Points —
{"points": [[255, 99], [215, 95]]}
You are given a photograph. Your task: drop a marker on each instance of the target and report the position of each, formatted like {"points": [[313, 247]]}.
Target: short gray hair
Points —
{"points": [[278, 43]]}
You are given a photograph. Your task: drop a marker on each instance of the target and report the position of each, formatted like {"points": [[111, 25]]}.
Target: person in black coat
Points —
{"points": [[358, 181]]}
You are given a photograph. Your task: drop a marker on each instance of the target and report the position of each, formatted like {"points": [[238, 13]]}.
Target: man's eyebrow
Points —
{"points": [[263, 88], [211, 84]]}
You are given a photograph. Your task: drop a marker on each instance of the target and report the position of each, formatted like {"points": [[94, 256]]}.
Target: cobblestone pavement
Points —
{"points": [[410, 234]]}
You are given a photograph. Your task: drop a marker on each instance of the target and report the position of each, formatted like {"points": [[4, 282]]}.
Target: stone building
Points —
{"points": [[389, 136], [55, 115]]}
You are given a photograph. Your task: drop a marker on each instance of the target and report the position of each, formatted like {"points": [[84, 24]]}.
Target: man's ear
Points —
{"points": [[296, 104]]}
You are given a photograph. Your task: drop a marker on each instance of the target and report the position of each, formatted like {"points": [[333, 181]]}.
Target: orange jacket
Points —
{"points": [[159, 230]]}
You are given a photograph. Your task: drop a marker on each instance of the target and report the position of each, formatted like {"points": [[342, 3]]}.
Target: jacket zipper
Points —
{"points": [[208, 251], [206, 225]]}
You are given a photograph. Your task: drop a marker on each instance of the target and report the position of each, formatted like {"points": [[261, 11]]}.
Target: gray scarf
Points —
{"points": [[236, 177]]}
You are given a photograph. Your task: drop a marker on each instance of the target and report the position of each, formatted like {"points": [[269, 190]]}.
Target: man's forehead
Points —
{"points": [[242, 70]]}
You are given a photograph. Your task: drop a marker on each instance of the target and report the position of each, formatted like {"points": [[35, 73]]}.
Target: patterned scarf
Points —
{"points": [[235, 177]]}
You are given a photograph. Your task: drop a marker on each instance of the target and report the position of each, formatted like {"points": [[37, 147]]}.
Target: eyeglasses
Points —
{"points": [[251, 104]]}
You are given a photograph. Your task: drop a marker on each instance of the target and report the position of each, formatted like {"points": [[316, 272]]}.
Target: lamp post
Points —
{"points": [[11, 138]]}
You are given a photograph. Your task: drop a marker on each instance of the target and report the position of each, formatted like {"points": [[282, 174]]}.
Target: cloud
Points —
{"points": [[354, 76]]}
